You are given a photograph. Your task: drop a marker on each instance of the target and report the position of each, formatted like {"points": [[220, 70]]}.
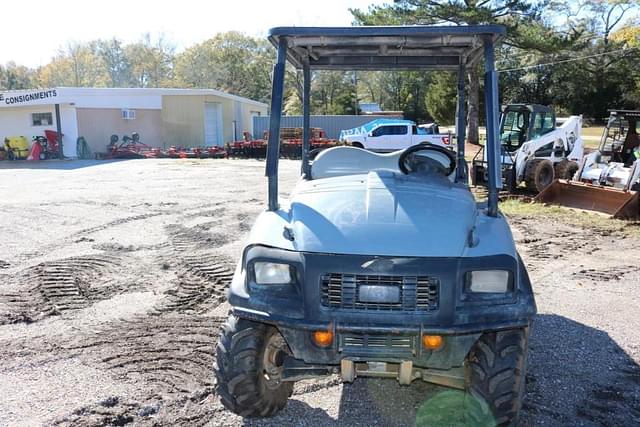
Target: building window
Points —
{"points": [[128, 114], [41, 119]]}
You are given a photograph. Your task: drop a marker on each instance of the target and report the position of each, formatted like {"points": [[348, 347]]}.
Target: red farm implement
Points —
{"points": [[131, 148]]}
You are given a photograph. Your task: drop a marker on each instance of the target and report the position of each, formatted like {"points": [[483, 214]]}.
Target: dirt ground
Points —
{"points": [[112, 280]]}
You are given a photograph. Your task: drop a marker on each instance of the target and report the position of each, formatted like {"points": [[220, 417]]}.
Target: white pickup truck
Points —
{"points": [[385, 135]]}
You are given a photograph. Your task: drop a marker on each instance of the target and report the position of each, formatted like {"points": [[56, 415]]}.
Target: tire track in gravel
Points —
{"points": [[604, 274], [188, 239], [116, 222], [57, 286], [202, 278], [170, 359]]}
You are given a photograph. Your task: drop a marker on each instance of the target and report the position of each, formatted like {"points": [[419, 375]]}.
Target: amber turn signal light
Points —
{"points": [[322, 338], [432, 342]]}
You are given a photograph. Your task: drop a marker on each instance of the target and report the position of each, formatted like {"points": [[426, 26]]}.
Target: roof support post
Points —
{"points": [[59, 132], [461, 125], [492, 144], [306, 118], [273, 147]]}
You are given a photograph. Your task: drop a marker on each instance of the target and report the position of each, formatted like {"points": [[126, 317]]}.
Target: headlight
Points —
{"points": [[488, 281], [272, 273]]}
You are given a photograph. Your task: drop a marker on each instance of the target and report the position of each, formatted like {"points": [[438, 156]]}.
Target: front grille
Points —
{"points": [[366, 343], [416, 293]]}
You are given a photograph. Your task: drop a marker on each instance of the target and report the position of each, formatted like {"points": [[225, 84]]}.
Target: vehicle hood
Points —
{"points": [[380, 213]]}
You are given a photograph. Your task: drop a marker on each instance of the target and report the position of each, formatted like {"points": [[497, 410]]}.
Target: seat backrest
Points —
{"points": [[340, 161]]}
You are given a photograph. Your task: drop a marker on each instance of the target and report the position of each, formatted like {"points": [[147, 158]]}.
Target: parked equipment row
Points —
{"points": [[40, 148]]}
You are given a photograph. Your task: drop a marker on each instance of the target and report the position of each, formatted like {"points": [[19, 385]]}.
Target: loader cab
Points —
{"points": [[523, 122], [620, 136]]}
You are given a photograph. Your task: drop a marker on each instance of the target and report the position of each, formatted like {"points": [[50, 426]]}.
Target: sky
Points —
{"points": [[32, 31]]}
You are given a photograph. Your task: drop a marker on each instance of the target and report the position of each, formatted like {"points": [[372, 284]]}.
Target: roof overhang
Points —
{"points": [[386, 48], [628, 114]]}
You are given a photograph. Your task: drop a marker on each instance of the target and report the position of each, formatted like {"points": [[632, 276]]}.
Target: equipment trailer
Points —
{"points": [[380, 264]]}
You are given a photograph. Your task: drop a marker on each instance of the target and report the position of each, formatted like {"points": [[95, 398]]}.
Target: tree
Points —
{"points": [[229, 61], [606, 77], [396, 91], [15, 77], [151, 61], [115, 61], [441, 98], [521, 17], [333, 92], [74, 65]]}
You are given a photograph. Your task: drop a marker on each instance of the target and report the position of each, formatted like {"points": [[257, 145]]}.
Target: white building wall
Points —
{"points": [[124, 101], [69, 123], [18, 121]]}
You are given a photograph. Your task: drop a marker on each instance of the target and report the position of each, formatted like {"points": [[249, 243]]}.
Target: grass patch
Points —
{"points": [[588, 220], [593, 131]]}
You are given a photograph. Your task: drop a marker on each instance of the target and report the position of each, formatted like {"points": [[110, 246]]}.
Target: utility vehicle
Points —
{"points": [[380, 264], [386, 135], [534, 150], [608, 179]]}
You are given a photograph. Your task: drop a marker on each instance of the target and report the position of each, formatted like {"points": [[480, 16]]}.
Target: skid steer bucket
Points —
{"points": [[618, 203]]}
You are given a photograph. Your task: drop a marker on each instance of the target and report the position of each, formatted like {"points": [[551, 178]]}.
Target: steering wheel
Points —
{"points": [[441, 154]]}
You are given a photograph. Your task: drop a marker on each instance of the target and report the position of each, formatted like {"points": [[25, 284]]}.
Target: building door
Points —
{"points": [[212, 124], [253, 123]]}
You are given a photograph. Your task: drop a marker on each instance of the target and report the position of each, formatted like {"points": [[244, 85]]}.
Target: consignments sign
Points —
{"points": [[31, 97]]}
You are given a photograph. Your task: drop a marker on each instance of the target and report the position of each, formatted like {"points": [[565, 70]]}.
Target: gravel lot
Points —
{"points": [[112, 279]]}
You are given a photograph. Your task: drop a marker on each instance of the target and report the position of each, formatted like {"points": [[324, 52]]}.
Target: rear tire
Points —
{"points": [[566, 169], [538, 174], [242, 381], [498, 364], [512, 182], [357, 145]]}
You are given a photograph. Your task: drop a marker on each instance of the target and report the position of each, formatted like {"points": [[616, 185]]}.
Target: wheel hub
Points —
{"points": [[275, 351]]}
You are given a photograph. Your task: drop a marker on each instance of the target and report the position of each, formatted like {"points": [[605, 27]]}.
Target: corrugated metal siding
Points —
{"points": [[332, 125]]}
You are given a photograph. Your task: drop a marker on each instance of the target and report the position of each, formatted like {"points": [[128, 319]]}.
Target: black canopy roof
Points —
{"points": [[388, 47], [629, 114]]}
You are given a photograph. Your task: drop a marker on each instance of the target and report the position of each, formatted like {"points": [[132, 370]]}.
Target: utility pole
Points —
{"points": [[355, 82]]}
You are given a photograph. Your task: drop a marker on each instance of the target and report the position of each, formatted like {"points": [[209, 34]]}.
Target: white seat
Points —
{"points": [[340, 161]]}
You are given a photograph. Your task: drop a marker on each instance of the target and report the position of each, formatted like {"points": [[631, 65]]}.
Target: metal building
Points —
{"points": [[162, 117], [332, 125]]}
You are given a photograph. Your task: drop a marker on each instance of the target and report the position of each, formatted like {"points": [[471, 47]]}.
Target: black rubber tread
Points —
{"points": [[497, 363], [357, 145], [533, 171], [240, 382], [566, 169]]}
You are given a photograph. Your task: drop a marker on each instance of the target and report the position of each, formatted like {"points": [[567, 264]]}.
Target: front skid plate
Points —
{"points": [[404, 372]]}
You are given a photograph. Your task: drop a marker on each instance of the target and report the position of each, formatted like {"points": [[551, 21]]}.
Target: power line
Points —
{"points": [[528, 67]]}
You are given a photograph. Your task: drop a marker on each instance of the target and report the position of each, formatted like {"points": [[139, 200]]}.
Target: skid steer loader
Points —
{"points": [[381, 265], [608, 179], [534, 150]]}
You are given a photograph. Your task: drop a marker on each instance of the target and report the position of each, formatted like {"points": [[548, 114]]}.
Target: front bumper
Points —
{"points": [[383, 335]]}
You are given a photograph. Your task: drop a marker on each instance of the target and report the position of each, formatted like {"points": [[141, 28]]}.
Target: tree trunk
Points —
{"points": [[473, 107]]}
